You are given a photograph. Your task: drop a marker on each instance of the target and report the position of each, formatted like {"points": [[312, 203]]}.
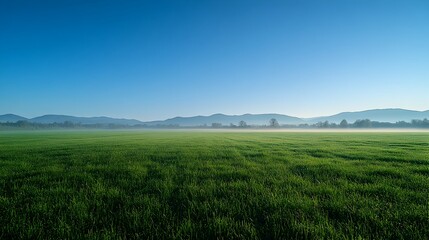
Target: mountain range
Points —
{"points": [[251, 119], [64, 118], [380, 115]]}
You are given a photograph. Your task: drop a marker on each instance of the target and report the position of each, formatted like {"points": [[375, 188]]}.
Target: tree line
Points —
{"points": [[366, 123], [272, 123], [363, 123]]}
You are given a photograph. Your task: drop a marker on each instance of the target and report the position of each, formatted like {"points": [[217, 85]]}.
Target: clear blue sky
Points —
{"points": [[157, 59]]}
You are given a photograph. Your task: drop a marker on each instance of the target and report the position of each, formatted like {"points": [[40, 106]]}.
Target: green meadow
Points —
{"points": [[206, 185]]}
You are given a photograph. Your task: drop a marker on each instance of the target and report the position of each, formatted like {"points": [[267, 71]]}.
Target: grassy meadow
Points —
{"points": [[205, 185]]}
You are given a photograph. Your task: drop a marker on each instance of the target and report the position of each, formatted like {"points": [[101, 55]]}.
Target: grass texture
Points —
{"points": [[208, 185]]}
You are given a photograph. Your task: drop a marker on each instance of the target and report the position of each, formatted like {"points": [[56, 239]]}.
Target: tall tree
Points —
{"points": [[344, 123], [274, 123], [242, 124]]}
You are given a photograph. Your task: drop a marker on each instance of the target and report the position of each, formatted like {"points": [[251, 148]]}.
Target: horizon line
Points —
{"points": [[303, 118]]}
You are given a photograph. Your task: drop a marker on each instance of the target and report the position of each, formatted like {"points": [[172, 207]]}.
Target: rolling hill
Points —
{"points": [[83, 120], [63, 118], [250, 119], [381, 115], [11, 118]]}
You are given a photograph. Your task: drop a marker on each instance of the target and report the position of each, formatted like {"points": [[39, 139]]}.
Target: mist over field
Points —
{"points": [[380, 119]]}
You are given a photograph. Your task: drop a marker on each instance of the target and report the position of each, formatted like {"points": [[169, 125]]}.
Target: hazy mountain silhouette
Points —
{"points": [[381, 115], [11, 118], [250, 119], [83, 120]]}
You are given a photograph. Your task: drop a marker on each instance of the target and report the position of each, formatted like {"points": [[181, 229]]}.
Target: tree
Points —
{"points": [[274, 123], [344, 123], [242, 124], [366, 123], [425, 123], [216, 125], [324, 124], [68, 124], [22, 123]]}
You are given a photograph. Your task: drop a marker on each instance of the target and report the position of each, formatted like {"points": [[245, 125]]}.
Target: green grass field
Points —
{"points": [[199, 185]]}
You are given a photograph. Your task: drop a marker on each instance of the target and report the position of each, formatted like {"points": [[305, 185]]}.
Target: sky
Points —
{"points": [[152, 60]]}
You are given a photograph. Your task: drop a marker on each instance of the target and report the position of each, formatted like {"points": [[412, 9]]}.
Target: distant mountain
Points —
{"points": [[381, 115], [83, 120], [11, 118], [250, 119]]}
